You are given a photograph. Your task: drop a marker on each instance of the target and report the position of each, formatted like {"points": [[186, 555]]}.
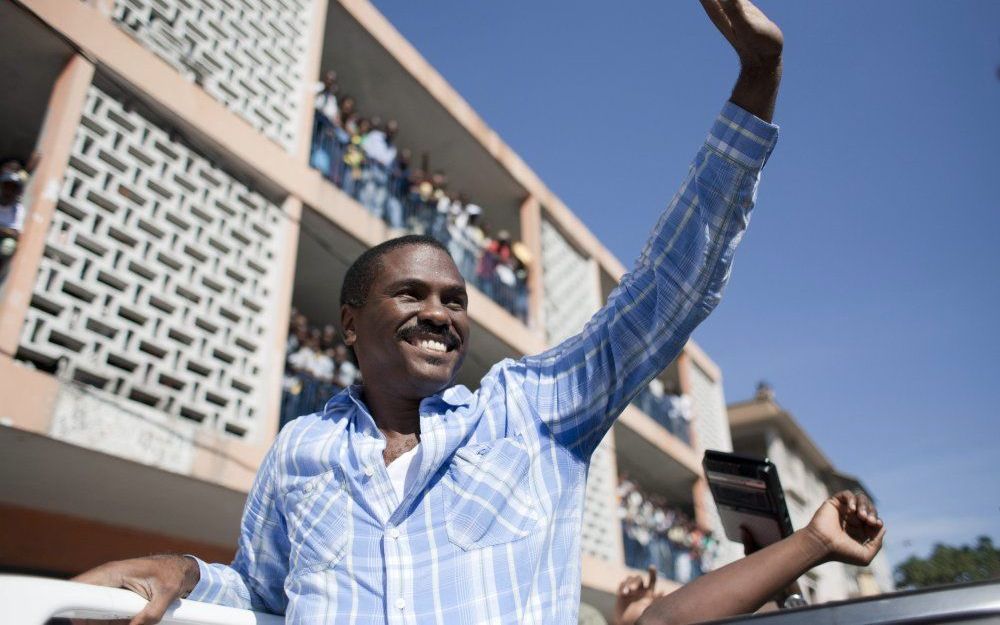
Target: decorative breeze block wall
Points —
{"points": [[571, 296], [571, 299], [601, 535], [711, 422], [157, 283], [247, 54]]}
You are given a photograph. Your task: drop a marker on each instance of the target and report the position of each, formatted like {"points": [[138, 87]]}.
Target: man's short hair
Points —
{"points": [[361, 274]]}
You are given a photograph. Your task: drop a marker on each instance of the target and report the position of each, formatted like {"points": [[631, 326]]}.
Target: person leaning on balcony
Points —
{"points": [[410, 499], [11, 213], [327, 119]]}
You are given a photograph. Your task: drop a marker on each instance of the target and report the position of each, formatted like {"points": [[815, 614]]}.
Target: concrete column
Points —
{"points": [[65, 107], [531, 236], [700, 494], [311, 68], [278, 329]]}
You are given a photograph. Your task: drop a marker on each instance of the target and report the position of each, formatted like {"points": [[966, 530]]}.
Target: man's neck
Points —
{"points": [[399, 421]]}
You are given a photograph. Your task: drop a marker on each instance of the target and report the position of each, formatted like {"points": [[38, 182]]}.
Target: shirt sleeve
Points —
{"points": [[255, 579], [580, 386]]}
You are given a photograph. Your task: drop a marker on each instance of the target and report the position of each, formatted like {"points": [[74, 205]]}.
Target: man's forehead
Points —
{"points": [[425, 263]]}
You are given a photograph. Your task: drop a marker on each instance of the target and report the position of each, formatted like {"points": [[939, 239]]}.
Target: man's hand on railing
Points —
{"points": [[159, 579]]}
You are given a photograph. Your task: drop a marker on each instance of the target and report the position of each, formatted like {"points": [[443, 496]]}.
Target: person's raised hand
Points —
{"points": [[634, 596], [158, 579], [757, 40], [849, 526]]}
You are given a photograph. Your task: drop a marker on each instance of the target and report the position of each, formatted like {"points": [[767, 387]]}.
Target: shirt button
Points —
{"points": [[401, 603], [369, 471], [393, 532]]}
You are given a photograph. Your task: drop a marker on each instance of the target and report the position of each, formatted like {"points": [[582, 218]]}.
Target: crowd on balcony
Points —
{"points": [[13, 177], [670, 409], [318, 365], [658, 534], [359, 154]]}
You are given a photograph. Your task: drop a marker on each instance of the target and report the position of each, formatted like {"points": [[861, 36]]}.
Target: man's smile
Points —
{"points": [[435, 341]]}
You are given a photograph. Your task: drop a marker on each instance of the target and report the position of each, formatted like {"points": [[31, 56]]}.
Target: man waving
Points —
{"points": [[410, 500]]}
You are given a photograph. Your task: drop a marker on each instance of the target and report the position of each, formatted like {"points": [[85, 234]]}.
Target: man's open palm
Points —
{"points": [[757, 40]]}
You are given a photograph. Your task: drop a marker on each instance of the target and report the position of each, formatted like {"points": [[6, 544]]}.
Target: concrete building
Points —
{"points": [[174, 220], [762, 428]]}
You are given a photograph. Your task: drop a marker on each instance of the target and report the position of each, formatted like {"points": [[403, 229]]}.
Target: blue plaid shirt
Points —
{"points": [[489, 532]]}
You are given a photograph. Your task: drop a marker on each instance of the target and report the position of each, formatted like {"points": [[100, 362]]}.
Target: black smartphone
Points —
{"points": [[748, 494]]}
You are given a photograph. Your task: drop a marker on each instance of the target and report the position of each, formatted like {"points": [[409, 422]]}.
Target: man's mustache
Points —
{"points": [[425, 329]]}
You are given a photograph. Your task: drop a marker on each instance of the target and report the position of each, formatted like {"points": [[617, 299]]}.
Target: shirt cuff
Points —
{"points": [[208, 582], [742, 136]]}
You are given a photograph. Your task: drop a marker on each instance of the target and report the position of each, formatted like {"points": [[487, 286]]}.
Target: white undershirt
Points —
{"points": [[403, 470]]}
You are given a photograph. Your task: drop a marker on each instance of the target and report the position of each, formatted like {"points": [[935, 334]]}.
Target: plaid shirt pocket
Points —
{"points": [[317, 522], [491, 499]]}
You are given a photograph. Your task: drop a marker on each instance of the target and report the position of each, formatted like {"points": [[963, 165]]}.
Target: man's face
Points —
{"points": [[412, 332]]}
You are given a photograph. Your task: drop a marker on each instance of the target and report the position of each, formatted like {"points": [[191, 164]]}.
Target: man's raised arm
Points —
{"points": [[581, 385]]}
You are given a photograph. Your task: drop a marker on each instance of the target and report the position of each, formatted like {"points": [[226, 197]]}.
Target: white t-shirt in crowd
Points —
{"points": [[403, 470], [347, 373], [326, 103], [323, 368], [12, 216], [377, 147], [316, 364]]}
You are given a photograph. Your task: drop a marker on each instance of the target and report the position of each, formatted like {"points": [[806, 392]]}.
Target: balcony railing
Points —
{"points": [[387, 194], [36, 600], [667, 410], [304, 394]]}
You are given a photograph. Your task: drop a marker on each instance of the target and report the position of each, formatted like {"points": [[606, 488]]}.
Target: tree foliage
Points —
{"points": [[949, 565]]}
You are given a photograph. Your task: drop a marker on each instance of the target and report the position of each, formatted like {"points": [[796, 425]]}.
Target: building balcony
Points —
{"points": [[388, 192]]}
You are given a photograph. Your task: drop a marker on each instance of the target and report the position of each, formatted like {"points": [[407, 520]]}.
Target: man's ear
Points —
{"points": [[347, 323]]}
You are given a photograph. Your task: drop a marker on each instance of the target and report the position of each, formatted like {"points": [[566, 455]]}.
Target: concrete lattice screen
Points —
{"points": [[571, 298], [158, 277], [247, 54], [712, 425], [600, 536]]}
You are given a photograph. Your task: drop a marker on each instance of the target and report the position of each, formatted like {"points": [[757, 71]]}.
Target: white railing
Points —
{"points": [[34, 600]]}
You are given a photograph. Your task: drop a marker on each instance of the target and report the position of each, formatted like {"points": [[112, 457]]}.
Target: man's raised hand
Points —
{"points": [[758, 42], [849, 526]]}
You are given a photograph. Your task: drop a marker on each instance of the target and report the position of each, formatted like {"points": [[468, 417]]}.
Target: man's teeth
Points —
{"points": [[434, 346]]}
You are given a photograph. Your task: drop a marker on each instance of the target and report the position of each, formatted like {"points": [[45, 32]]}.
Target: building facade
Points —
{"points": [[762, 428], [175, 221]]}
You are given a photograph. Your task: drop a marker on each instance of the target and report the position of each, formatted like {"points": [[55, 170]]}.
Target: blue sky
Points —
{"points": [[867, 289]]}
